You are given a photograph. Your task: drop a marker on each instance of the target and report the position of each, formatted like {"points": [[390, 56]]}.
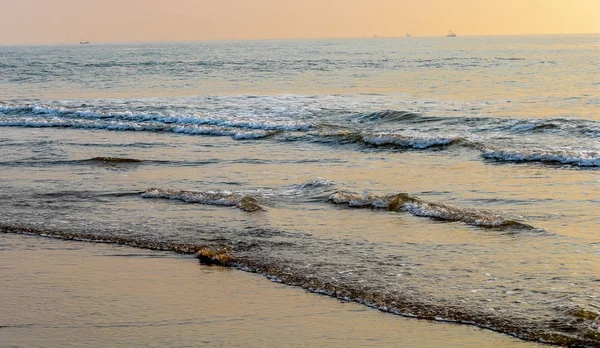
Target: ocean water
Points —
{"points": [[447, 179]]}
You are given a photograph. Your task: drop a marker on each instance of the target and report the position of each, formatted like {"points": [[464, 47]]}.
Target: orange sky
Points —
{"points": [[48, 21]]}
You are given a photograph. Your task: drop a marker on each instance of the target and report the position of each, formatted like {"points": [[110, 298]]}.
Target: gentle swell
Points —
{"points": [[574, 127], [418, 207], [581, 158], [219, 198], [413, 142], [114, 160], [314, 185], [387, 116]]}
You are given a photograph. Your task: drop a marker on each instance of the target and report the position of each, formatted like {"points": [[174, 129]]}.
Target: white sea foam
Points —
{"points": [[252, 135], [225, 198], [235, 122], [133, 126], [578, 158], [218, 198], [248, 117]]}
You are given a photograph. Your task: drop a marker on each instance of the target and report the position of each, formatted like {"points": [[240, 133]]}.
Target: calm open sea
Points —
{"points": [[444, 178]]}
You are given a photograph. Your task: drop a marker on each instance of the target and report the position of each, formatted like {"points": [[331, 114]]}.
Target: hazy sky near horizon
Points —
{"points": [[53, 21]]}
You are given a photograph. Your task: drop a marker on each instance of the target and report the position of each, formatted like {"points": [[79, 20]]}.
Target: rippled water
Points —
{"points": [[443, 179], [74, 294]]}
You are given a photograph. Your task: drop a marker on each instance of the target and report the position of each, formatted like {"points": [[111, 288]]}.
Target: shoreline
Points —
{"points": [[398, 307], [147, 286]]}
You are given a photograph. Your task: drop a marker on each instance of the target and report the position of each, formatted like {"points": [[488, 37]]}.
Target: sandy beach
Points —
{"points": [[77, 294]]}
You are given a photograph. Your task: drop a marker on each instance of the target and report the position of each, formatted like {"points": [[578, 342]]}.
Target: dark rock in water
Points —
{"points": [[209, 256], [584, 314], [249, 204], [397, 201]]}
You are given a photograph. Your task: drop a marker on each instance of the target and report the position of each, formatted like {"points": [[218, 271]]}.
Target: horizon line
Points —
{"points": [[25, 43]]}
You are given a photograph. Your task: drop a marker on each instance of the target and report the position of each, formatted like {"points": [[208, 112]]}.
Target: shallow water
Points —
{"points": [[457, 195], [74, 294]]}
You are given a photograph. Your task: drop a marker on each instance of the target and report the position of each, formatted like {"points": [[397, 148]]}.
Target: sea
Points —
{"points": [[449, 179]]}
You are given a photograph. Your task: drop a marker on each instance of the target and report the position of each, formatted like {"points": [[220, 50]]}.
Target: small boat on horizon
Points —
{"points": [[82, 42], [408, 35], [451, 34]]}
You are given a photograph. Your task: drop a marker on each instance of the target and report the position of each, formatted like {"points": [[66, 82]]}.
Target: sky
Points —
{"points": [[60, 21]]}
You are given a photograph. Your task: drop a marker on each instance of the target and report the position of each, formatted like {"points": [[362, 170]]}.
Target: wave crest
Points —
{"points": [[110, 125], [386, 116], [418, 207], [577, 158], [198, 120], [314, 184], [218, 198], [408, 141]]}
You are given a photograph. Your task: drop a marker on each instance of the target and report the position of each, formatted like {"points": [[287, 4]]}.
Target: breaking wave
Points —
{"points": [[404, 140], [416, 141], [218, 198], [315, 189], [407, 141], [506, 140], [419, 207], [67, 113], [577, 158], [558, 126], [140, 127]]}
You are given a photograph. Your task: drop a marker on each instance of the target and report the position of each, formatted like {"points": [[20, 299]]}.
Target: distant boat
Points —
{"points": [[407, 35], [451, 34], [82, 42]]}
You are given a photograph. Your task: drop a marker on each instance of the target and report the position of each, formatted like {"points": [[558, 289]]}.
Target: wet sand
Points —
{"points": [[74, 294]]}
